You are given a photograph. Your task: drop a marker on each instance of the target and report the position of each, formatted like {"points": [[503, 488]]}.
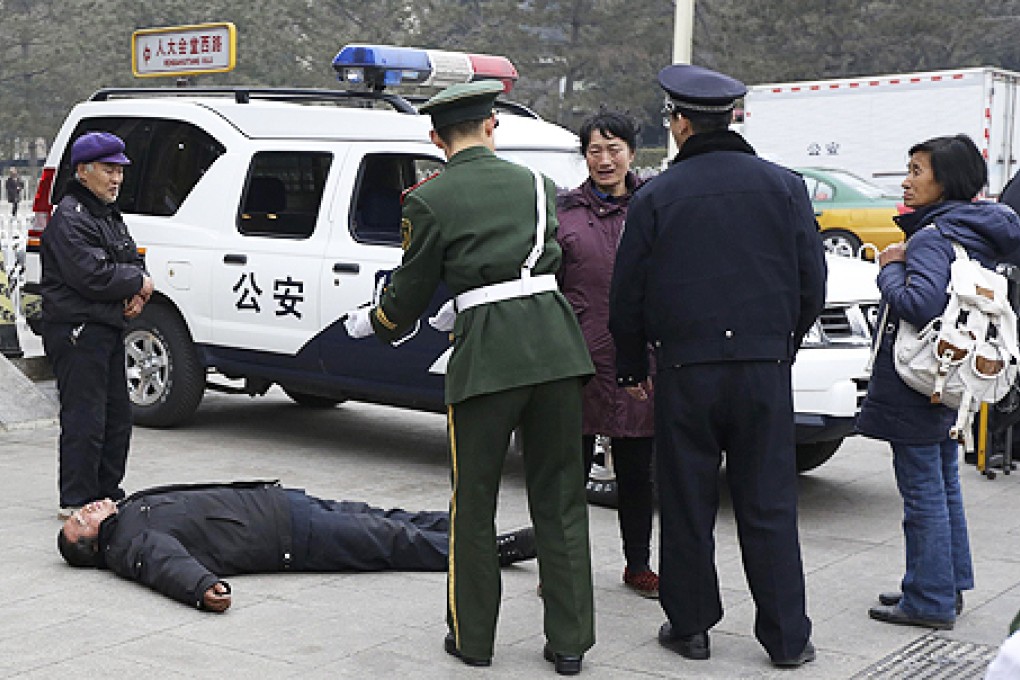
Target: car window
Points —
{"points": [[283, 193], [819, 190], [168, 157], [382, 178]]}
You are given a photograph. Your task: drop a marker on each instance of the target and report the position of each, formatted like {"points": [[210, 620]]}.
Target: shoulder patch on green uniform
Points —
{"points": [[411, 188], [405, 233]]}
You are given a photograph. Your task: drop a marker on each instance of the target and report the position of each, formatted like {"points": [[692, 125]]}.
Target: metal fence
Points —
{"points": [[13, 238]]}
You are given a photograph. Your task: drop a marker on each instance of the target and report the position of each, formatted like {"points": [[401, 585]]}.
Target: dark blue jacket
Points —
{"points": [[90, 263], [720, 260], [180, 540], [915, 290]]}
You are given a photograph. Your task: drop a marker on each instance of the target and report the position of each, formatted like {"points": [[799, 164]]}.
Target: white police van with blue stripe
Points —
{"points": [[265, 214]]}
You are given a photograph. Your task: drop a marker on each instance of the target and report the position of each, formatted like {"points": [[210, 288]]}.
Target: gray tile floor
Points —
{"points": [[60, 622]]}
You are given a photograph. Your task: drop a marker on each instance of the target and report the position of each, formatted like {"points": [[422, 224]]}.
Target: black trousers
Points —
{"points": [[351, 536], [95, 411], [632, 462], [746, 410]]}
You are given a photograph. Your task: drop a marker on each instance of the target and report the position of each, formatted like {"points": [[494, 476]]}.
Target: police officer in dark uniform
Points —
{"points": [[721, 270], [486, 227], [93, 281]]}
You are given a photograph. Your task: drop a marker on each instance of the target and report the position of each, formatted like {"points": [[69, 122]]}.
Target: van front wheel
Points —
{"points": [[165, 379]]}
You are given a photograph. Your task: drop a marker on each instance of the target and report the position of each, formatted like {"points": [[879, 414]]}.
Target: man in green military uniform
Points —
{"points": [[486, 228]]}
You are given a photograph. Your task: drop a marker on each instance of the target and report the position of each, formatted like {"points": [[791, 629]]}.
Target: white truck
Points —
{"points": [[866, 125]]}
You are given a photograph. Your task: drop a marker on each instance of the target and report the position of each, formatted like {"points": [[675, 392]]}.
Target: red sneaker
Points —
{"points": [[644, 583]]}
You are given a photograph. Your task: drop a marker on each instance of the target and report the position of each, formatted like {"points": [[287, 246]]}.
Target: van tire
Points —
{"points": [[165, 378], [810, 456]]}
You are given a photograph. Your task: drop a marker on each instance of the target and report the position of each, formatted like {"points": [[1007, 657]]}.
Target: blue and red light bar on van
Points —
{"points": [[379, 66]]}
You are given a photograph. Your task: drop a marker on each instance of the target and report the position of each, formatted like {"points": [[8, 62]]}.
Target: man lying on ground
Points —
{"points": [[181, 540]]}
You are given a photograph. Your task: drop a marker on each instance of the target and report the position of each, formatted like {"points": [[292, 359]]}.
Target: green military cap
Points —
{"points": [[461, 102]]}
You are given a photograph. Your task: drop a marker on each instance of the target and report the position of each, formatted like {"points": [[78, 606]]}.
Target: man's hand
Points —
{"points": [[358, 322], [641, 390], [147, 287], [896, 252], [133, 306], [217, 598]]}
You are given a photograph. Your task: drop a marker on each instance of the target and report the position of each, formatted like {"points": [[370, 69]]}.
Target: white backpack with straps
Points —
{"points": [[968, 354]]}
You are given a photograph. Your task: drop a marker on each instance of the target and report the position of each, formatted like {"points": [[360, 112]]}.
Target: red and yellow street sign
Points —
{"points": [[184, 50]]}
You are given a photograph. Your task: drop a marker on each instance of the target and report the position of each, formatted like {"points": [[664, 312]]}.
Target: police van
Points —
{"points": [[265, 214]]}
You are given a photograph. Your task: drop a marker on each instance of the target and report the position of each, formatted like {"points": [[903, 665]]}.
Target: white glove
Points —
{"points": [[358, 322], [444, 319]]}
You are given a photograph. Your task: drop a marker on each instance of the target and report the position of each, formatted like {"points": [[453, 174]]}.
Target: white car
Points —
{"points": [[265, 214]]}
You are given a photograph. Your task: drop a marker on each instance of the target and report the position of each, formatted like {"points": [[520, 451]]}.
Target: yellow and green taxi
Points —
{"points": [[852, 213]]}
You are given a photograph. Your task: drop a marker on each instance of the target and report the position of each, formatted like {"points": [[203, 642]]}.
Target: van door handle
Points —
{"points": [[346, 268], [235, 259]]}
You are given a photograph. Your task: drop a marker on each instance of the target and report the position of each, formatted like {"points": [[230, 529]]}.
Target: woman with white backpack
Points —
{"points": [[944, 175]]}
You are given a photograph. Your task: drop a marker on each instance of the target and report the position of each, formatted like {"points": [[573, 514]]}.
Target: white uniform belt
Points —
{"points": [[507, 290]]}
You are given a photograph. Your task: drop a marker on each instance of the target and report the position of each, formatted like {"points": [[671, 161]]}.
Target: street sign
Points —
{"points": [[184, 50]]}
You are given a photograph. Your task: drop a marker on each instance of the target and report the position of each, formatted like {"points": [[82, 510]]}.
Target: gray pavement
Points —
{"points": [[60, 622]]}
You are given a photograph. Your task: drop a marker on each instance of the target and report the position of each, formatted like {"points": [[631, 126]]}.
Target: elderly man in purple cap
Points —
{"points": [[93, 281]]}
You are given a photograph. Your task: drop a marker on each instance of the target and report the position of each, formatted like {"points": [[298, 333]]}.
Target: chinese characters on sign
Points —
{"points": [[287, 293], [184, 50], [815, 149]]}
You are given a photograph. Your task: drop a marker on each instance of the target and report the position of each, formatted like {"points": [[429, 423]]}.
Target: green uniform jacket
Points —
{"points": [[474, 225]]}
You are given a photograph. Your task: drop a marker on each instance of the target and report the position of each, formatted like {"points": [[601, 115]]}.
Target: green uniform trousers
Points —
{"points": [[549, 416]]}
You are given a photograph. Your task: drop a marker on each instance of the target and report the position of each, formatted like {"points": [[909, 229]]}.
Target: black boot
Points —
{"points": [[516, 546]]}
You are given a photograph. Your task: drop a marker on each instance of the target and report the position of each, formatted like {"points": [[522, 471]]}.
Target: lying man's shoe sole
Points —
{"points": [[893, 614], [808, 654], [894, 597], [694, 647], [450, 645]]}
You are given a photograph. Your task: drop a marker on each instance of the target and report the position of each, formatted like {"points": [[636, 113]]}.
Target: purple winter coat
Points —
{"points": [[590, 229]]}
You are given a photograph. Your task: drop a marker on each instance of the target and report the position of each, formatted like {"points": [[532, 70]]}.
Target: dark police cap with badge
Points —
{"points": [[696, 89], [462, 102]]}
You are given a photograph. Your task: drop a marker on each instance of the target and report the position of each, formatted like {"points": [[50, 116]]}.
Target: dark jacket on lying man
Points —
{"points": [[181, 540]]}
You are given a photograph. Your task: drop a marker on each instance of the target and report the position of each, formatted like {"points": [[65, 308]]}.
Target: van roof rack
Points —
{"points": [[243, 95]]}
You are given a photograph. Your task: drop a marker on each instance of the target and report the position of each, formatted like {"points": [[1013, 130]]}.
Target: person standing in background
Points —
{"points": [[722, 270], [93, 281], [15, 188], [591, 221], [486, 228]]}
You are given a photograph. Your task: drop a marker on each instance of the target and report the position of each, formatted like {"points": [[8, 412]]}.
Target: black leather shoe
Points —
{"points": [[807, 654], [450, 645], [566, 664], [894, 597], [517, 546], [893, 614], [688, 646]]}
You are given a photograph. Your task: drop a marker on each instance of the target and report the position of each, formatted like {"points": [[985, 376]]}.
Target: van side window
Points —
{"points": [[168, 157], [283, 193], [375, 215]]}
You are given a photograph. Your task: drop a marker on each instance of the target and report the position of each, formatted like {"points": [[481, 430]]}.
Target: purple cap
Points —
{"points": [[98, 146]]}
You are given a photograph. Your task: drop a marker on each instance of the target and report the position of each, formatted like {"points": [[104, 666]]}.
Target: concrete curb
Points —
{"points": [[22, 404]]}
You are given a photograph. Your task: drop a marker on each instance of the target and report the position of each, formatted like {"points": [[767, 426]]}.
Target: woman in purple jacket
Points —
{"points": [[591, 220]]}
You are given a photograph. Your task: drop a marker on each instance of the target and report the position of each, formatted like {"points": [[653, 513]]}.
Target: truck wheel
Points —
{"points": [[810, 456], [165, 379], [312, 400], [841, 242]]}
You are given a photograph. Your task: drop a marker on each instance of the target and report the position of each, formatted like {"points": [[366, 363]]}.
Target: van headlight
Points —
{"points": [[840, 326]]}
